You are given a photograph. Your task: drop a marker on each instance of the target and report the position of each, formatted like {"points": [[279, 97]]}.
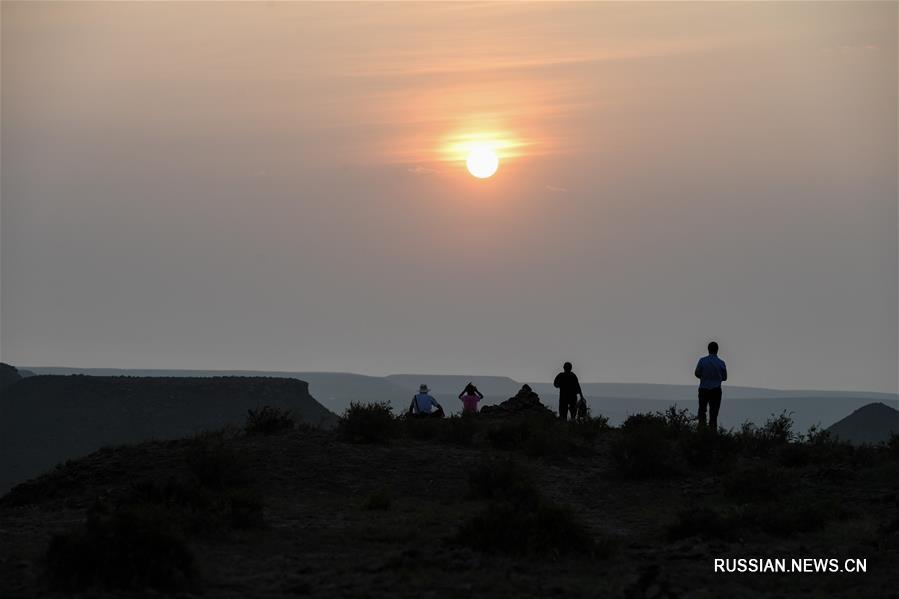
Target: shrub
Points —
{"points": [[704, 522], [757, 484], [817, 436], [130, 549], [678, 421], [533, 528], [368, 423], [761, 440], [518, 520], [378, 500], [269, 420], [654, 422], [779, 428]]}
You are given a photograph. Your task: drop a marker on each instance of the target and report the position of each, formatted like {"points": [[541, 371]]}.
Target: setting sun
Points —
{"points": [[482, 162]]}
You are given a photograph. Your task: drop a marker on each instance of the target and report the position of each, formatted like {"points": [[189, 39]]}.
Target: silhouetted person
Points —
{"points": [[569, 390], [470, 397], [425, 405], [711, 372]]}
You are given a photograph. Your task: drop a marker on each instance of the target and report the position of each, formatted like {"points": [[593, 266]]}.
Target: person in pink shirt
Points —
{"points": [[470, 397]]}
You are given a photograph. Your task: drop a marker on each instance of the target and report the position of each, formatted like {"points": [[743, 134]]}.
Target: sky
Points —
{"points": [[282, 186]]}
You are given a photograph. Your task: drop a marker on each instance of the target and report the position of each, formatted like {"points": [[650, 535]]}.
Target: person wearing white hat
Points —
{"points": [[425, 405]]}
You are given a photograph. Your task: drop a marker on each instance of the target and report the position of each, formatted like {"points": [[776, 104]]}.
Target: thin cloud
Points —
{"points": [[421, 170], [556, 189]]}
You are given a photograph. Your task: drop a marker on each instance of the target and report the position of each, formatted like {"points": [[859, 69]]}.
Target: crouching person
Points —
{"points": [[423, 405]]}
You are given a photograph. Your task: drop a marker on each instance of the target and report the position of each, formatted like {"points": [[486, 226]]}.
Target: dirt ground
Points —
{"points": [[320, 539]]}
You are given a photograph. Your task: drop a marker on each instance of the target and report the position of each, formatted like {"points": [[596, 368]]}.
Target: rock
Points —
{"points": [[526, 401]]}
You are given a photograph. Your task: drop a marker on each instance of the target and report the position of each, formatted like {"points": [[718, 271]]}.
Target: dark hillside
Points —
{"points": [[458, 508], [873, 423], [47, 419]]}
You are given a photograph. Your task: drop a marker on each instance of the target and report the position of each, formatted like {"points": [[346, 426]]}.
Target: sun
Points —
{"points": [[482, 162]]}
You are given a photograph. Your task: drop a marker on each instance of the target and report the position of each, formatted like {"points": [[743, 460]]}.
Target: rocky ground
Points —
{"points": [[341, 519]]}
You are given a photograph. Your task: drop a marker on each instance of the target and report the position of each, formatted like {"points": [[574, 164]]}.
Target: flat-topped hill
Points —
{"points": [[45, 419]]}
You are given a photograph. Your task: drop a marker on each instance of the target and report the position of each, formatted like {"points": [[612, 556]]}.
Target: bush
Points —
{"points": [[130, 549], [677, 421], [817, 436], [706, 523], [518, 520], [654, 422], [757, 484], [779, 428], [532, 528], [269, 420], [368, 423], [761, 440]]}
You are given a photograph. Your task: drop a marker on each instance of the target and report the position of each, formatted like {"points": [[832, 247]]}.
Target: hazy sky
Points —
{"points": [[277, 186]]}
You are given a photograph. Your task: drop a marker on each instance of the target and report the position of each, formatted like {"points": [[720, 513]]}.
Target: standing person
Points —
{"points": [[711, 372], [569, 390], [425, 405], [470, 397]]}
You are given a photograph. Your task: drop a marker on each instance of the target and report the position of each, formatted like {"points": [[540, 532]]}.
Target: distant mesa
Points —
{"points": [[871, 424]]}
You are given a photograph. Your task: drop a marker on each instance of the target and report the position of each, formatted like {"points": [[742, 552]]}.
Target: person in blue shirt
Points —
{"points": [[425, 405], [711, 372]]}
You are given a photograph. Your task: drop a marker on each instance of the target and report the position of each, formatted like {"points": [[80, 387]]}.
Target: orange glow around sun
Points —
{"points": [[481, 153]]}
